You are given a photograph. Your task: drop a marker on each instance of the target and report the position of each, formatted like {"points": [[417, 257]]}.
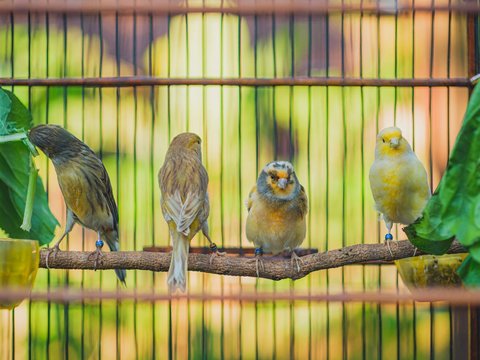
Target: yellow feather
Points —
{"points": [[398, 179]]}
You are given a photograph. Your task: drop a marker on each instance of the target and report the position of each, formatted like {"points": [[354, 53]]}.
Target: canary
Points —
{"points": [[398, 181], [85, 186], [183, 182], [277, 208]]}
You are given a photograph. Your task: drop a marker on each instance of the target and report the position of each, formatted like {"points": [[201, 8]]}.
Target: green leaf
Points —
{"points": [[5, 107], [454, 209], [19, 117], [469, 271], [14, 178]]}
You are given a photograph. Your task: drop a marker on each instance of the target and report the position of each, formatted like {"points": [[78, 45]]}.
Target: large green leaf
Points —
{"points": [[14, 175], [454, 209], [470, 272]]}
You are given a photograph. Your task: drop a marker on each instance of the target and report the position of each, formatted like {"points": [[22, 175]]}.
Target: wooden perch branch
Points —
{"points": [[275, 268]]}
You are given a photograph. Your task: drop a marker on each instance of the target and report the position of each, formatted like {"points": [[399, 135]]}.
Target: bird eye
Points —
{"points": [[273, 177]]}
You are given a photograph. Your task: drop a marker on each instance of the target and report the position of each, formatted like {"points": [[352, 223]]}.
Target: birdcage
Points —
{"points": [[307, 81]]}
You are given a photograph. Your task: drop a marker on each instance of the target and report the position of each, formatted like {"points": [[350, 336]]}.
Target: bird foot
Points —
{"points": [[215, 252], [387, 242], [53, 250], [388, 238], [415, 251], [97, 253], [259, 263], [296, 260]]}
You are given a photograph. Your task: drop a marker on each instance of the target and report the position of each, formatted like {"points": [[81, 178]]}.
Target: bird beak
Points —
{"points": [[282, 183], [394, 142]]}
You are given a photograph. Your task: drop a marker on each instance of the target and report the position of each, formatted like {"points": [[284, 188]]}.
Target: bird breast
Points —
{"points": [[275, 228], [400, 188]]}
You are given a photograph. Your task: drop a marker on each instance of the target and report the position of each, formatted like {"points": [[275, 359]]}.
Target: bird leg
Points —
{"points": [[388, 238], [213, 246], [97, 253], [296, 259], [259, 264], [54, 250], [56, 247]]}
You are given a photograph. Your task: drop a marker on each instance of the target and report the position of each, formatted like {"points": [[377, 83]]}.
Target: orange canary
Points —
{"points": [[277, 208], [183, 182], [85, 186]]}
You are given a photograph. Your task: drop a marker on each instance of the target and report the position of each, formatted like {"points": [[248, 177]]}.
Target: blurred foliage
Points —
{"points": [[16, 169], [454, 209]]}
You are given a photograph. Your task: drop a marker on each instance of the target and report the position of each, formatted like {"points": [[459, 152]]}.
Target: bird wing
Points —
{"points": [[183, 183], [182, 213], [88, 192], [303, 201], [249, 201]]}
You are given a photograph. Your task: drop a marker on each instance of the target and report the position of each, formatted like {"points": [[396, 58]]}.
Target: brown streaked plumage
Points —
{"points": [[183, 182], [277, 208], [85, 186]]}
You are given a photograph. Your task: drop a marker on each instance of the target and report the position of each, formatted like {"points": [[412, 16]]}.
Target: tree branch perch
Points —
{"points": [[276, 268]]}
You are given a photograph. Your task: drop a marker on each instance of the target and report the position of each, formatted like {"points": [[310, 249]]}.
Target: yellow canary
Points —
{"points": [[183, 182], [398, 180], [277, 208], [85, 186]]}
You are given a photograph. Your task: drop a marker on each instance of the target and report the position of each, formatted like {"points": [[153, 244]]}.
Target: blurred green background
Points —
{"points": [[327, 132]]}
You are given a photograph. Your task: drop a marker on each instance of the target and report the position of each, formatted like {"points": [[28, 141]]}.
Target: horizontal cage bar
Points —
{"points": [[264, 8], [130, 81], [454, 296]]}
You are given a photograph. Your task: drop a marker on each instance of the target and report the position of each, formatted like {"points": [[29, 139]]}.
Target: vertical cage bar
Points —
{"points": [[327, 174], [362, 167], [66, 306], [100, 94], [152, 172], [414, 311], [377, 119], [135, 184], [309, 177], [205, 160], [82, 281], [344, 184], [117, 169], [47, 106], [29, 109], [473, 69]]}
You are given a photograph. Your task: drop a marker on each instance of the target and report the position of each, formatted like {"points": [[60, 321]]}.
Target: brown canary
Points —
{"points": [[277, 208], [183, 182], [85, 186]]}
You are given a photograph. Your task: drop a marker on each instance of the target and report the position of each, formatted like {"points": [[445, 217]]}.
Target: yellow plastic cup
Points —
{"points": [[430, 270], [19, 261]]}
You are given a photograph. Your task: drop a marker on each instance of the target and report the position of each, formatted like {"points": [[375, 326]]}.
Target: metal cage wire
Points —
{"points": [[308, 81]]}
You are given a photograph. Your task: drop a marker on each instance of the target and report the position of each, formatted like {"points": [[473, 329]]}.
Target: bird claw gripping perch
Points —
{"points": [[215, 252], [53, 250], [388, 238], [296, 260], [97, 253], [259, 264]]}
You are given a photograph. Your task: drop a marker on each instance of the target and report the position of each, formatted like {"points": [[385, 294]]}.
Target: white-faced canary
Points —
{"points": [[277, 208]]}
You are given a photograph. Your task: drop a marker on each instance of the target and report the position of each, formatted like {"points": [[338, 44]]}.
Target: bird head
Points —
{"points": [[278, 181], [391, 142], [54, 140], [187, 141]]}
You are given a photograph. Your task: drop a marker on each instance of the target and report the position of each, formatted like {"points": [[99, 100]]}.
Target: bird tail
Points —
{"points": [[177, 273], [112, 241]]}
